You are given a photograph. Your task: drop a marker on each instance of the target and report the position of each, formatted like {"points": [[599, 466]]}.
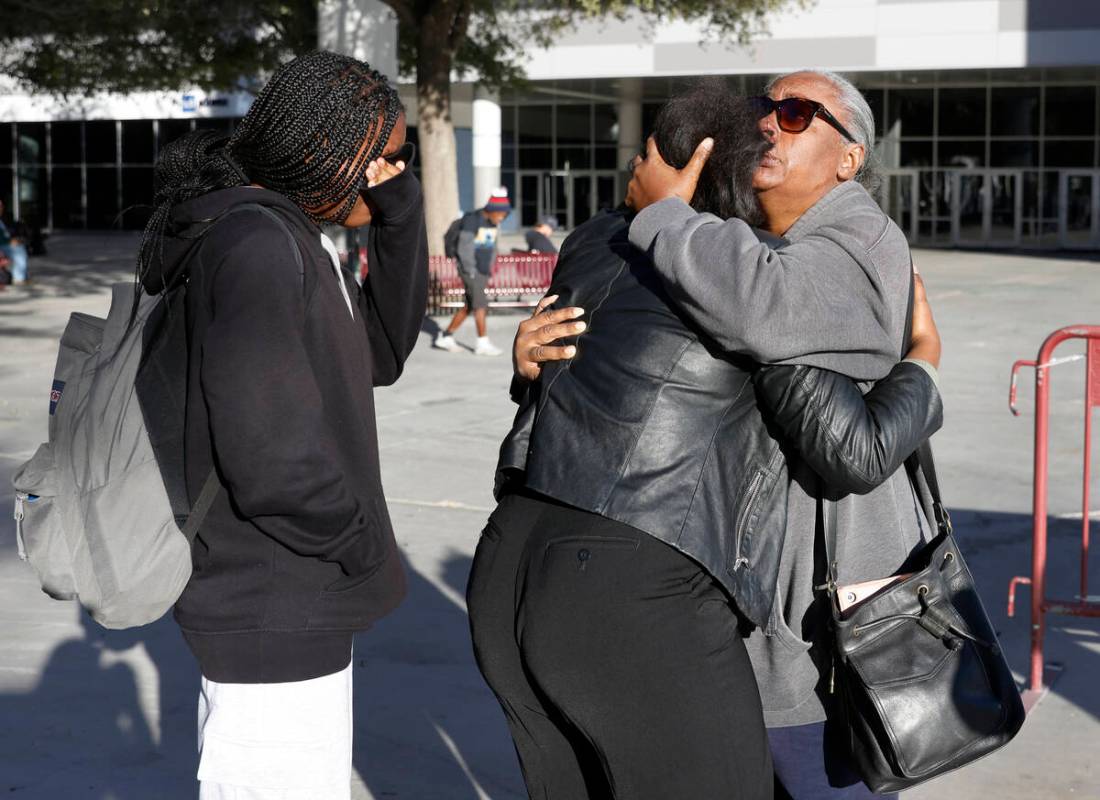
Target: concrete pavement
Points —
{"points": [[88, 713]]}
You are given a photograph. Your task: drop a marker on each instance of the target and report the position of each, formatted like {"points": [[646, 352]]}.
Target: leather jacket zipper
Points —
{"points": [[754, 488]]}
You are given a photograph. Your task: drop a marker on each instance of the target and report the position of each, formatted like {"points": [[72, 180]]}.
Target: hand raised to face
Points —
{"points": [[652, 179]]}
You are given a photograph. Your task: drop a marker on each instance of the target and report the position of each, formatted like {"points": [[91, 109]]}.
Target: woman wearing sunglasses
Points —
{"points": [[643, 494], [296, 553], [831, 292]]}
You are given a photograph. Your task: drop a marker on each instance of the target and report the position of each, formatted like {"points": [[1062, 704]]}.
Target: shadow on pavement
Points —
{"points": [[426, 726], [85, 730], [997, 546]]}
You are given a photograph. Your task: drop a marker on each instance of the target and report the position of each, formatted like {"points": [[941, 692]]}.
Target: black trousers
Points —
{"points": [[617, 661]]}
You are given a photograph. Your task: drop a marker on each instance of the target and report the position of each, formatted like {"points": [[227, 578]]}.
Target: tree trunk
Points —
{"points": [[436, 133]]}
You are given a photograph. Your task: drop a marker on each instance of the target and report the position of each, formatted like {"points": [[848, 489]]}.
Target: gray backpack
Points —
{"points": [[93, 514], [101, 509]]}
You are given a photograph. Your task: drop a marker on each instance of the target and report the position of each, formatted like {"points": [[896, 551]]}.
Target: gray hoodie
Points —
{"points": [[834, 296]]}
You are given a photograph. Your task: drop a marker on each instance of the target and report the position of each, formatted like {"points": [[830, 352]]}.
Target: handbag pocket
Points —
{"points": [[924, 678]]}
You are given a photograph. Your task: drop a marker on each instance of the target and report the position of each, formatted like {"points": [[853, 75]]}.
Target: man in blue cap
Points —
{"points": [[475, 251]]}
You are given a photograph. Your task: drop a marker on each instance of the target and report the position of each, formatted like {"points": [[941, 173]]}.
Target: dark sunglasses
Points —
{"points": [[406, 153], [794, 114]]}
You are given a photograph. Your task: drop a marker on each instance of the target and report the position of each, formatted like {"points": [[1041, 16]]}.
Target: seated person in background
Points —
{"points": [[538, 238], [13, 247]]}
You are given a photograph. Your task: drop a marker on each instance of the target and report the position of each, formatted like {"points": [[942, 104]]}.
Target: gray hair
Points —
{"points": [[857, 116]]}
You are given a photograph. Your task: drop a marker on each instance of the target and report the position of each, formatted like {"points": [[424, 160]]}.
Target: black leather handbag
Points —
{"points": [[921, 683]]}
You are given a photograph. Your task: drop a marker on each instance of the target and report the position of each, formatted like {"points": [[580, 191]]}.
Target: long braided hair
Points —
{"points": [[303, 137]]}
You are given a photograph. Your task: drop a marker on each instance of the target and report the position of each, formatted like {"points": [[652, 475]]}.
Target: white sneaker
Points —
{"points": [[486, 348], [446, 342]]}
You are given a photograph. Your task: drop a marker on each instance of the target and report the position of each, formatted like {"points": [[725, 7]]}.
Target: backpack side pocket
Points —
{"points": [[39, 527]]}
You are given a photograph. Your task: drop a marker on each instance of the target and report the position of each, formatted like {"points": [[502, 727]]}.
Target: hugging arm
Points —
{"points": [[853, 441]]}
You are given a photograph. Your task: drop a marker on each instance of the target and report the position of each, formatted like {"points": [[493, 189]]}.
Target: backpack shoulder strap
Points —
{"points": [[202, 505], [212, 485]]}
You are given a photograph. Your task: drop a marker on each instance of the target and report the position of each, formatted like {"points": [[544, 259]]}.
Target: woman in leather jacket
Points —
{"points": [[642, 488]]}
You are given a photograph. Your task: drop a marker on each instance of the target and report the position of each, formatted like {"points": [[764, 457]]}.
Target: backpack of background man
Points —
{"points": [[450, 239]]}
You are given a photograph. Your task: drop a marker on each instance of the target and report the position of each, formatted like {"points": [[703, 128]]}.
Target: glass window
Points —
{"points": [[1070, 111], [137, 142], [875, 99], [962, 112], [606, 158], [528, 199], [1013, 154], [574, 158], [137, 196], [34, 193], [65, 147], [910, 112], [508, 156], [102, 197], [5, 143], [68, 211], [1068, 154], [535, 125], [219, 124], [1015, 111], [535, 158], [606, 123], [961, 153], [32, 142], [574, 125], [7, 175], [170, 130], [99, 142], [649, 115], [508, 120], [916, 154]]}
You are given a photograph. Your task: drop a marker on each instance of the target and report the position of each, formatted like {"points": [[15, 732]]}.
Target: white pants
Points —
{"points": [[276, 741]]}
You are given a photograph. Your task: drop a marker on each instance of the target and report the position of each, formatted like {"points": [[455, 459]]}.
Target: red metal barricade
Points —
{"points": [[517, 281], [1041, 604]]}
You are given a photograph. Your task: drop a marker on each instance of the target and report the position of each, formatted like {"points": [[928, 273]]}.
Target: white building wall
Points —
{"points": [[849, 35]]}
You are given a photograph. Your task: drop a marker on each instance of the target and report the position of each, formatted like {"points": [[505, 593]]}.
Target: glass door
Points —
{"points": [[1079, 209], [1005, 207], [897, 194], [543, 192], [986, 207]]}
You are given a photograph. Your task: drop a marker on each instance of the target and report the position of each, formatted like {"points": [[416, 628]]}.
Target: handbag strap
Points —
{"points": [[919, 462]]}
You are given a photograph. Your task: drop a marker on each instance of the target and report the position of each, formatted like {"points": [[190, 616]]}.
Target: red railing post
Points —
{"points": [[1040, 605]]}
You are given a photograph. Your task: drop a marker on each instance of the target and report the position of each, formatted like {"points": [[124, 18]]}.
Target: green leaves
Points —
{"points": [[83, 46]]}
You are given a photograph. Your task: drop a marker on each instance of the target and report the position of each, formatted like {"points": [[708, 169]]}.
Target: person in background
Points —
{"points": [[475, 251], [538, 238], [14, 248]]}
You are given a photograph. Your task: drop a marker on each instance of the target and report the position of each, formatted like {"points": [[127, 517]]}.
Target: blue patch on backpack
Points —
{"points": [[55, 395]]}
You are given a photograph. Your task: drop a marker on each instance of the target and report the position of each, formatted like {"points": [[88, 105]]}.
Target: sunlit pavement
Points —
{"points": [[89, 714]]}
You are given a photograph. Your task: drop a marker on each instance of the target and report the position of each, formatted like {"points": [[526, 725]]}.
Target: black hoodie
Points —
{"points": [[297, 552]]}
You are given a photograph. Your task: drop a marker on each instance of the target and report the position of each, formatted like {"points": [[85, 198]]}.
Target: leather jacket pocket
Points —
{"points": [[750, 497]]}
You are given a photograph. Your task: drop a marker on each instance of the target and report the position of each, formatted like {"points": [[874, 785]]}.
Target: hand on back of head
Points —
{"points": [[653, 180]]}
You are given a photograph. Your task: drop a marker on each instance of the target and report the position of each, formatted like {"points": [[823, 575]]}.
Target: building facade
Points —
{"points": [[988, 117]]}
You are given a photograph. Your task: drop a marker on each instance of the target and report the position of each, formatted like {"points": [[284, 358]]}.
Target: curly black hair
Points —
{"points": [[710, 108]]}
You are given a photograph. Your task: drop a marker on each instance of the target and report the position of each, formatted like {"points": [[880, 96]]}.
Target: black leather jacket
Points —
{"points": [[649, 426]]}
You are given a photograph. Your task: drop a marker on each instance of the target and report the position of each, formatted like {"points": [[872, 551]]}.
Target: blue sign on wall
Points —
{"points": [[189, 103]]}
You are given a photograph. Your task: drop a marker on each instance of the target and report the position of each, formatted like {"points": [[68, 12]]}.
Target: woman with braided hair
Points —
{"points": [[296, 553]]}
